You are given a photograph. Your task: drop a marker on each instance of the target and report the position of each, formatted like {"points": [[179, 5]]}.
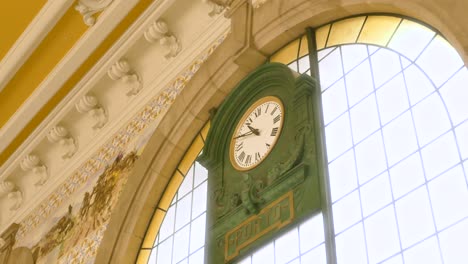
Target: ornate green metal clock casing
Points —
{"points": [[246, 208]]}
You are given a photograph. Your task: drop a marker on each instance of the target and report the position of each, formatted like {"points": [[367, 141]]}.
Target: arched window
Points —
{"points": [[395, 117]]}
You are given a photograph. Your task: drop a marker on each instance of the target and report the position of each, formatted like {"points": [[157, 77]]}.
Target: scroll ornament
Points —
{"points": [[159, 32], [32, 163], [60, 135], [12, 192], [121, 71], [88, 8], [90, 104], [217, 6]]}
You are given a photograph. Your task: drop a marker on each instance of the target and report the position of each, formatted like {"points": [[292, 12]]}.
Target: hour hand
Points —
{"points": [[254, 130]]}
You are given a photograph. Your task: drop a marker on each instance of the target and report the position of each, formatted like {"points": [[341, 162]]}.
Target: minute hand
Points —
{"points": [[243, 135]]}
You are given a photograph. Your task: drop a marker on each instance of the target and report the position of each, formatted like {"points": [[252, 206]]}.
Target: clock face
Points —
{"points": [[256, 133]]}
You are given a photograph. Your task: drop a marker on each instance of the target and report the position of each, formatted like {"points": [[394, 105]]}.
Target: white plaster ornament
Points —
{"points": [[60, 135], [13, 194], [121, 71], [89, 104], [32, 163], [88, 8], [159, 32]]}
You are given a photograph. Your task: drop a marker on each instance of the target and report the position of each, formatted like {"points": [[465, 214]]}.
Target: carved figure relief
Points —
{"points": [[94, 213]]}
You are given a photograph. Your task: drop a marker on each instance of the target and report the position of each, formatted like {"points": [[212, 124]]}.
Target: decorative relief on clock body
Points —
{"points": [[261, 147]]}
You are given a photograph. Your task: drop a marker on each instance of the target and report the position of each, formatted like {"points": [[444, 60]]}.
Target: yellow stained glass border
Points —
{"points": [[172, 187], [371, 29], [295, 49]]}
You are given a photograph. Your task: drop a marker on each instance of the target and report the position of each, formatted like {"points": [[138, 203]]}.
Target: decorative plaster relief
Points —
{"points": [[115, 145], [90, 104], [13, 194], [217, 6], [88, 8], [32, 163], [122, 71], [60, 135], [258, 3], [159, 32]]}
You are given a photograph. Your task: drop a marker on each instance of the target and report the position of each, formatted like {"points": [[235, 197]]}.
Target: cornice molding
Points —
{"points": [[111, 138], [64, 69], [36, 31]]}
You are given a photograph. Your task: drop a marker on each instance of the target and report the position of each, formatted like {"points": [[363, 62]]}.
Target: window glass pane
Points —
{"points": [[353, 55], [394, 260], [449, 194], [462, 139], [455, 95], [439, 61], [418, 84], [182, 232], [338, 137], [385, 65], [311, 233], [430, 128], [370, 158], [359, 83], [342, 173], [425, 252], [316, 256], [335, 101], [329, 73], [411, 38], [400, 138], [305, 241], [389, 181], [440, 155], [181, 242], [364, 118], [287, 247], [347, 211], [392, 99], [376, 194], [407, 175], [382, 235], [414, 217], [453, 243], [351, 246]]}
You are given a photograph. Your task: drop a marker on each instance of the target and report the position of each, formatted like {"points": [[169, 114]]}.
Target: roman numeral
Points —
{"points": [[258, 112], [274, 131], [268, 145], [242, 156], [274, 110], [249, 159], [277, 118], [266, 110], [250, 120], [240, 146], [257, 156]]}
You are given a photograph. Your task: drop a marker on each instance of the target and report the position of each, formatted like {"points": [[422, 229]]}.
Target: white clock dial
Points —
{"points": [[256, 133]]}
